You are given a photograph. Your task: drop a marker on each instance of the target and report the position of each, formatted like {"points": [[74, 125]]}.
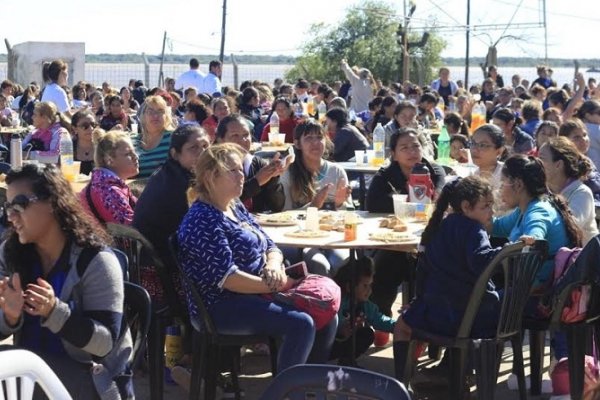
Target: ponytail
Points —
{"points": [[574, 233], [441, 205]]}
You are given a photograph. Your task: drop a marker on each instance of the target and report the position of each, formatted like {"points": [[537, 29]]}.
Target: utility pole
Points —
{"points": [[222, 53], [405, 72], [161, 77], [545, 34], [468, 30]]}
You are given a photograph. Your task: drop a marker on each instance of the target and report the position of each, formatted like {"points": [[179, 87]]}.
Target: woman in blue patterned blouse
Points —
{"points": [[232, 261]]}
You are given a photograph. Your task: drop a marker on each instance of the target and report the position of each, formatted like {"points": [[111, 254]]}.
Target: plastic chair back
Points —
{"points": [[201, 322], [20, 370], [123, 262], [324, 382], [520, 264], [138, 313]]}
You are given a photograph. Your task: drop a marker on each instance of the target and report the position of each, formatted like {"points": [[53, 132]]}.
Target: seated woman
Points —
{"points": [[487, 146], [195, 112], [312, 181], [220, 109], [249, 106], [405, 116], [262, 188], [565, 168], [115, 118], [457, 250], [287, 120], [459, 145], [515, 140], [49, 125], [545, 131], [231, 261], [83, 123], [390, 266], [107, 197], [62, 292], [156, 215], [346, 138], [152, 145], [577, 133]]}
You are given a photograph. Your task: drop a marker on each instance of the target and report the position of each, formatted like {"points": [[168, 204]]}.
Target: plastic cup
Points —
{"points": [[71, 172], [359, 156], [399, 199], [134, 129], [370, 156], [381, 338], [407, 211], [273, 137], [281, 138]]}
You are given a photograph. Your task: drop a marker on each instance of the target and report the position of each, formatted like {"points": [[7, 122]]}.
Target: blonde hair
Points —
{"points": [[48, 109], [213, 161], [159, 103], [106, 144]]}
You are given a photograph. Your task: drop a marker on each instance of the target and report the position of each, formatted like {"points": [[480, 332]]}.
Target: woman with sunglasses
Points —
{"points": [[62, 292], [83, 123], [107, 197]]}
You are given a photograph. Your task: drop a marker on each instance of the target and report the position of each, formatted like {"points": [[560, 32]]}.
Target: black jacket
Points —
{"points": [[269, 197], [379, 195], [348, 139], [162, 206]]}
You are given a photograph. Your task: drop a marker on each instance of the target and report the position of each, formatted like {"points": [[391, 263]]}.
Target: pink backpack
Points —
{"points": [[575, 309], [316, 295]]}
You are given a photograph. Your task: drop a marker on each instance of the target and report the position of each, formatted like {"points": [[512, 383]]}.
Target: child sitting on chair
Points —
{"points": [[368, 315]]}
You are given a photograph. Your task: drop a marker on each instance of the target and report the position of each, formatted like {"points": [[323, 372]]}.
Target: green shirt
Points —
{"points": [[151, 160]]}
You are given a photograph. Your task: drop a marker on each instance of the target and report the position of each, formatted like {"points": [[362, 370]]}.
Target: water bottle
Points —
{"points": [[173, 350], [274, 123], [420, 185], [441, 105], [66, 148], [379, 145], [322, 110], [16, 154], [443, 153]]}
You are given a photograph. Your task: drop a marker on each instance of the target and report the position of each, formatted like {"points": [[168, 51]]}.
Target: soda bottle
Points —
{"points": [[66, 148], [274, 123], [350, 222], [443, 153], [441, 105], [173, 350], [322, 110], [379, 145], [16, 154], [420, 185], [477, 116]]}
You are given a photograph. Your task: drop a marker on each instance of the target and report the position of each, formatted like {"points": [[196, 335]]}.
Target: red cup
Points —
{"points": [[381, 338]]}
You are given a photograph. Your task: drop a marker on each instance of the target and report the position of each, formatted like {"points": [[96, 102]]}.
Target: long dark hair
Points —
{"points": [[48, 183], [303, 181], [471, 189], [530, 171], [345, 275]]}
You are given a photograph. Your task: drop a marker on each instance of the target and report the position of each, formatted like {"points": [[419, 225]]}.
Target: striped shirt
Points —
{"points": [[151, 160]]}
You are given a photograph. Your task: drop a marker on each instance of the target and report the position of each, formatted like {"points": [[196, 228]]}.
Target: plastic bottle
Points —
{"points": [[16, 154], [173, 349], [420, 186], [441, 104], [322, 110], [451, 105], [66, 148], [379, 145], [443, 146], [350, 222], [312, 219], [477, 116], [274, 123]]}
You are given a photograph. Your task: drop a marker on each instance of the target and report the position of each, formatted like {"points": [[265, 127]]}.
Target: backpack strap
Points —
{"points": [[85, 258], [88, 196]]}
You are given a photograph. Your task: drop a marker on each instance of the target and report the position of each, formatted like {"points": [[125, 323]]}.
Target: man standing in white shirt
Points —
{"points": [[212, 81], [192, 78]]}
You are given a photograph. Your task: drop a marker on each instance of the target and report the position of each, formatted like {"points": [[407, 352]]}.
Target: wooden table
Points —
{"points": [[369, 222], [361, 170]]}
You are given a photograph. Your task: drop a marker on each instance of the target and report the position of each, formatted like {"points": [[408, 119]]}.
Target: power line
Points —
{"points": [[455, 20], [550, 12], [512, 18]]}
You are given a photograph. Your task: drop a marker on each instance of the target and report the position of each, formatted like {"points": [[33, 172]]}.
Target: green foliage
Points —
{"points": [[367, 38]]}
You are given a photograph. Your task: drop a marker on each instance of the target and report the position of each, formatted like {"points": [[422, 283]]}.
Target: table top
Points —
{"points": [[368, 223], [351, 166], [266, 147]]}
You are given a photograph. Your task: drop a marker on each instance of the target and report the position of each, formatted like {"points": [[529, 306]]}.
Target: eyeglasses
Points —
{"points": [[19, 204], [481, 145], [155, 113], [86, 125]]}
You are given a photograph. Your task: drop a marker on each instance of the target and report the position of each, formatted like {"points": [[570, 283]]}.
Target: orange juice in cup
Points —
{"points": [[311, 107], [71, 171]]}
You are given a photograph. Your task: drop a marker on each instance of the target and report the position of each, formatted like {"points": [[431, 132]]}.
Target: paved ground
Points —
{"points": [[256, 375]]}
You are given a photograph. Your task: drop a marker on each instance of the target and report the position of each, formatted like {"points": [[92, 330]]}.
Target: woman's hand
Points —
{"points": [[528, 240], [267, 172], [274, 277], [11, 298], [39, 299], [342, 191], [321, 195]]}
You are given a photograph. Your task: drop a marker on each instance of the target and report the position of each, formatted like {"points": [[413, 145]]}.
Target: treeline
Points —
{"points": [[522, 61]]}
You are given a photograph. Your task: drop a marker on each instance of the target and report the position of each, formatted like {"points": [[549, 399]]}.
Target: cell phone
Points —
{"points": [[297, 271]]}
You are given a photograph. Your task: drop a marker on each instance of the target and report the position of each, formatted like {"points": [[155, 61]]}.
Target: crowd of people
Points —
{"points": [[536, 154]]}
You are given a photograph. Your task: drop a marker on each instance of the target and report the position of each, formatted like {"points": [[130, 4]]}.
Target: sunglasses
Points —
{"points": [[86, 125], [19, 204]]}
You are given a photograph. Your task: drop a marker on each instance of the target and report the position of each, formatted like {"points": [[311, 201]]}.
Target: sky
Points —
{"points": [[282, 26]]}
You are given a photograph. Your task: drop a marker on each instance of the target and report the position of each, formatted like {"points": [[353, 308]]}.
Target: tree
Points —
{"points": [[366, 36]]}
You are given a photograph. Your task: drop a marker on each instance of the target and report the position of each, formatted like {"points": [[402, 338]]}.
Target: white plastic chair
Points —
{"points": [[31, 369]]}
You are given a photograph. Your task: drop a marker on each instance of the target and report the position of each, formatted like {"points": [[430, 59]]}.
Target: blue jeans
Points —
{"points": [[243, 314]]}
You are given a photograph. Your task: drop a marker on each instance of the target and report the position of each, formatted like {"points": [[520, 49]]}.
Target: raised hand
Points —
{"points": [[342, 191], [11, 298], [321, 195]]}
